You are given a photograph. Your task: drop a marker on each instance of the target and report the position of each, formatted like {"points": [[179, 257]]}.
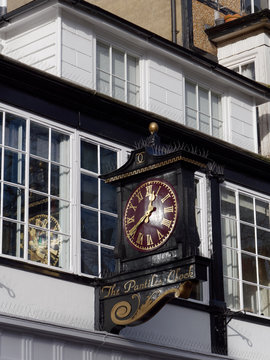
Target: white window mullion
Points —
{"points": [[27, 172], [49, 197], [111, 67], [239, 250], [2, 177], [126, 76], [197, 107], [210, 112], [257, 259], [99, 215]]}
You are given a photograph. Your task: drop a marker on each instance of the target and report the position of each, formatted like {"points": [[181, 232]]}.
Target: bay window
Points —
{"points": [[246, 254], [117, 74], [40, 198], [203, 110]]}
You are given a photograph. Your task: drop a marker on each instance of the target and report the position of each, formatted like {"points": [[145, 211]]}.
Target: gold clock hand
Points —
{"points": [[150, 209], [132, 231]]}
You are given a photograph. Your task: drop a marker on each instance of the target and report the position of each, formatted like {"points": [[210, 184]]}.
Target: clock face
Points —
{"points": [[150, 215]]}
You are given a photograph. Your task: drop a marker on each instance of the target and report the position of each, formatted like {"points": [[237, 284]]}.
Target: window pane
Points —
{"points": [[250, 298], [248, 70], [215, 103], [89, 190], [204, 123], [265, 301], [60, 181], [118, 64], [103, 82], [38, 177], [229, 232], [108, 197], [232, 293], [118, 89], [13, 203], [191, 118], [249, 268], [14, 168], [108, 160], [89, 225], [133, 94], [89, 156], [38, 210], [60, 219], [203, 101], [108, 230], [262, 214], [13, 239], [103, 59], [132, 65], [60, 148], [228, 206], [39, 140], [89, 259], [15, 131], [60, 251], [191, 95], [107, 261], [230, 263], [38, 245], [217, 128], [247, 238], [264, 272], [263, 242], [246, 208]]}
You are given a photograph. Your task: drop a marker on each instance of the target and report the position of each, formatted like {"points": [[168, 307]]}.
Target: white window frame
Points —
{"points": [[240, 65], [113, 45], [74, 186], [252, 6], [210, 91], [255, 196]]}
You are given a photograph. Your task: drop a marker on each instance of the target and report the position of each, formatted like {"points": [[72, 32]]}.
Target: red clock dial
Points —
{"points": [[150, 215]]}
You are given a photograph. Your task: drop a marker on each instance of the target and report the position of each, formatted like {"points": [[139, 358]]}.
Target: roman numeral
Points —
{"points": [[148, 190], [139, 196], [140, 239], [149, 240], [160, 236], [131, 206], [165, 198], [131, 219], [166, 222], [168, 209]]}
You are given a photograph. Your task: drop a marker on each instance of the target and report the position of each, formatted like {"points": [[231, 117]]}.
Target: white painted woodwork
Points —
{"points": [[43, 298]]}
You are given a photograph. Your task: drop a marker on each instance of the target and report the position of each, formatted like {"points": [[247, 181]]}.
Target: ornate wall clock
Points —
{"points": [[150, 215]]}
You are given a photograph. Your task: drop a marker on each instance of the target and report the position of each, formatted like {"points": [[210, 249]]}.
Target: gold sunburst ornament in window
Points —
{"points": [[38, 240]]}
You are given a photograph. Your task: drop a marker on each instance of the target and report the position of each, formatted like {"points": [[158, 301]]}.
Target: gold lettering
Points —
{"points": [[166, 222], [129, 285], [139, 196], [149, 240], [110, 290], [140, 239], [130, 220], [165, 198], [168, 209]]}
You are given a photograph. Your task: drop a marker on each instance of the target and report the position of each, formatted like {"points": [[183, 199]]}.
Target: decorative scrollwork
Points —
{"points": [[121, 311]]}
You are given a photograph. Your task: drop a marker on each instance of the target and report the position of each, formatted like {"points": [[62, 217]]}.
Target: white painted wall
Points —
{"points": [[43, 298], [248, 341], [34, 42], [77, 50], [242, 122], [165, 94]]}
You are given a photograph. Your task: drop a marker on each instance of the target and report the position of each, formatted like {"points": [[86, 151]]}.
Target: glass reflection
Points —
{"points": [[107, 261], [108, 230], [89, 259], [15, 131], [13, 203], [13, 239], [60, 148], [89, 225], [38, 210], [14, 169], [38, 245], [60, 220], [250, 298], [89, 156], [89, 191], [60, 181], [38, 177], [246, 208], [108, 160], [108, 197], [39, 140]]}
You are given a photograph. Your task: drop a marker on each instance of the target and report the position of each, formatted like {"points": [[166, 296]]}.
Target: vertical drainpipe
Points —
{"points": [[3, 7], [173, 21]]}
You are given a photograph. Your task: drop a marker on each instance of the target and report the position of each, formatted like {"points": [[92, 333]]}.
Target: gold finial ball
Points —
{"points": [[153, 127]]}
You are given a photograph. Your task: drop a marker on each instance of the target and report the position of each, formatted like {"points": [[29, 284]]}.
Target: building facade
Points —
{"points": [[79, 87]]}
